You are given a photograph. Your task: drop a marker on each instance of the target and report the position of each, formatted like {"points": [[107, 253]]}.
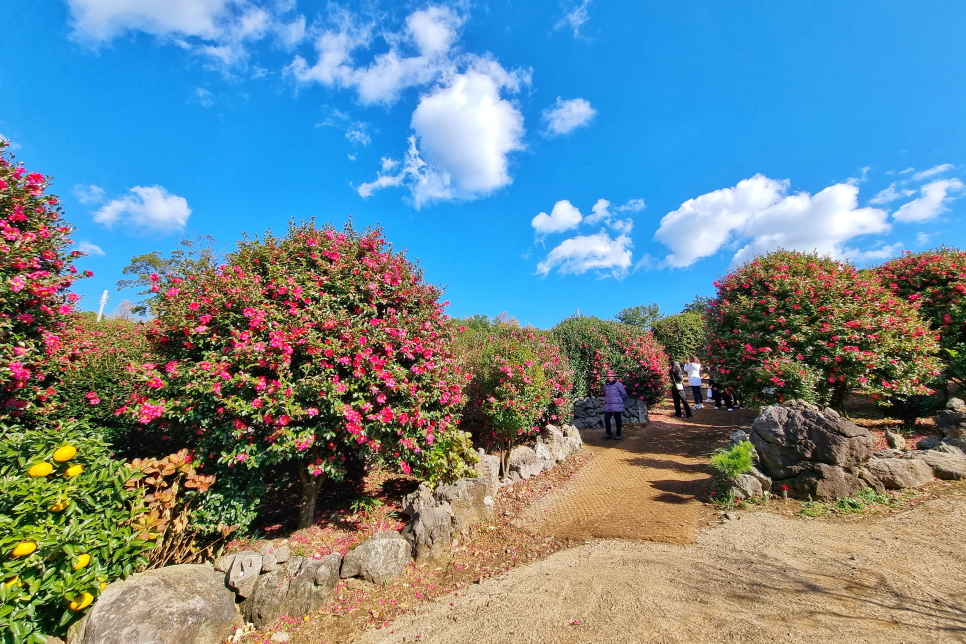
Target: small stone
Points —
{"points": [[243, 574], [896, 441], [222, 564], [280, 636], [269, 562], [381, 558], [730, 516], [282, 554]]}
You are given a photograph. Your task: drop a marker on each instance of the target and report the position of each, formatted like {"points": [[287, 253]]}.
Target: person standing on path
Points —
{"points": [[693, 369], [677, 389], [614, 393]]}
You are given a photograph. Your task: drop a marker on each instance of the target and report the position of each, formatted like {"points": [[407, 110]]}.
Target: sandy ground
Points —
{"points": [[761, 577]]}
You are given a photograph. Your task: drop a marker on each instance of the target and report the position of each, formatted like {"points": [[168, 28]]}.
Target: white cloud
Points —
{"points": [[759, 213], [88, 194], [89, 248], [609, 257], [564, 216], [147, 210], [922, 238], [575, 18], [890, 194], [932, 203], [465, 132], [358, 134], [634, 205], [204, 97], [876, 254], [907, 170], [936, 169], [566, 116]]}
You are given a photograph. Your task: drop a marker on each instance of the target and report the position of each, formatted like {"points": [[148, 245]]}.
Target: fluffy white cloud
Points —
{"points": [[564, 216], [147, 210], [358, 134], [566, 116], [932, 203], [760, 214], [890, 194], [936, 169], [575, 18], [609, 257], [601, 213], [634, 205], [89, 248], [88, 194], [421, 54], [464, 133]]}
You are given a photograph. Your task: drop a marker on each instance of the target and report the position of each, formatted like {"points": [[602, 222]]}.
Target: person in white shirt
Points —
{"points": [[693, 369]]}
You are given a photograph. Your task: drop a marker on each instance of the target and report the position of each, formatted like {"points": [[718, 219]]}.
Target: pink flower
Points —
{"points": [[92, 398], [241, 458]]}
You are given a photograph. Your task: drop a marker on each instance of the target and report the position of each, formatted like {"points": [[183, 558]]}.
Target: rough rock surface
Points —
{"points": [[379, 559], [821, 481], [523, 460], [945, 465], [467, 501], [266, 603], [184, 604], [897, 473], [589, 412], [952, 420], [896, 441], [296, 587], [428, 534], [243, 573], [746, 487]]}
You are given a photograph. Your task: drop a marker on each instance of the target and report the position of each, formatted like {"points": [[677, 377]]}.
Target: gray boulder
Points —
{"points": [[243, 573], [223, 563], [296, 587], [428, 534], [524, 462], [824, 482], [379, 559], [570, 431], [888, 453], [739, 436], [555, 443], [467, 501], [952, 420], [896, 441], [419, 500], [945, 465], [949, 448], [266, 603], [184, 604], [489, 470], [746, 487], [544, 455], [791, 438], [897, 473], [763, 480]]}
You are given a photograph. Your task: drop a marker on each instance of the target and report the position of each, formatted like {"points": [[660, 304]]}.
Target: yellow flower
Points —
{"points": [[82, 601], [64, 453], [82, 561], [73, 471], [24, 548], [40, 469], [60, 505]]}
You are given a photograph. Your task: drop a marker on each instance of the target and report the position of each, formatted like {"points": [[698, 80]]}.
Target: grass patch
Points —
{"points": [[862, 502]]}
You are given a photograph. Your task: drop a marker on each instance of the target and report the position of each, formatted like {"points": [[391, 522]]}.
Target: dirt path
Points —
{"points": [[761, 578]]}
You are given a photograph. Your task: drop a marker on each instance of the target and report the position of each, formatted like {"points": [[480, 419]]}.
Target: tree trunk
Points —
{"points": [[839, 395], [310, 494]]}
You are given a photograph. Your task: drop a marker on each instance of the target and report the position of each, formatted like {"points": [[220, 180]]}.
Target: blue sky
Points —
{"points": [[536, 158]]}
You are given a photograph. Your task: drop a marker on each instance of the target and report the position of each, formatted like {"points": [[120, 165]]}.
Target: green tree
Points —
{"points": [[643, 315], [699, 304], [682, 335], [190, 256]]}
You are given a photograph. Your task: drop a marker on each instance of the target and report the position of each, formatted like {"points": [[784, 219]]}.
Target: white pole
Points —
{"points": [[100, 312]]}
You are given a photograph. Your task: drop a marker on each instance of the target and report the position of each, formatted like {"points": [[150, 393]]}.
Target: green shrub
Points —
{"points": [[729, 464], [682, 335], [74, 515]]}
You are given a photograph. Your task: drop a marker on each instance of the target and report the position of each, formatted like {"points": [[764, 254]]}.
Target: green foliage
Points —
{"points": [[729, 464], [861, 502], [909, 408], [798, 325], [699, 304], [644, 315], [67, 515], [593, 345], [682, 335], [189, 257]]}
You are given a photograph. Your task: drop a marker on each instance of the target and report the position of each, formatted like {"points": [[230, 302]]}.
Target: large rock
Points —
{"points": [[569, 431], [825, 482], [746, 487], [265, 605], [951, 422], [524, 461], [379, 559], [489, 470], [185, 604], [945, 465], [467, 501], [296, 587], [243, 573], [897, 473], [553, 439], [429, 533], [791, 438]]}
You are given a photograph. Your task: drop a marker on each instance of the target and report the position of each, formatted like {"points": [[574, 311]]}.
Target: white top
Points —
{"points": [[693, 370]]}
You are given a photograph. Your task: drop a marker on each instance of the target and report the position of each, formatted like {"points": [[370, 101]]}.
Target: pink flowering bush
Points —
{"points": [[36, 271], [593, 346], [323, 348], [518, 382], [798, 325], [936, 281]]}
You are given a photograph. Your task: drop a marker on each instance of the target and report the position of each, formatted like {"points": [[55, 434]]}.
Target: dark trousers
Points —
{"points": [[696, 392], [731, 399], [679, 399], [617, 418]]}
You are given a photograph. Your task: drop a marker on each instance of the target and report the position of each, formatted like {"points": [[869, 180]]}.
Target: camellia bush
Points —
{"points": [[593, 346], [798, 325], [323, 348], [518, 382], [936, 281], [682, 335]]}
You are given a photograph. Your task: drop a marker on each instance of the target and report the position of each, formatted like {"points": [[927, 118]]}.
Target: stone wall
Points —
{"points": [[589, 412]]}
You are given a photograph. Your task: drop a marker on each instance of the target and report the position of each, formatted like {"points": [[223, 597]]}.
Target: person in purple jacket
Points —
{"points": [[614, 393]]}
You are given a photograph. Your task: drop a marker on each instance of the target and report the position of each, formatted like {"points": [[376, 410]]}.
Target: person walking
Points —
{"points": [[693, 369], [677, 389], [614, 393]]}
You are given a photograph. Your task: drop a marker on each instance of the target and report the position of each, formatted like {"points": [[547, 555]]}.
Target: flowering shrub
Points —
{"points": [[593, 346], [936, 281], [682, 335], [321, 347], [797, 325], [519, 381], [35, 272], [65, 530]]}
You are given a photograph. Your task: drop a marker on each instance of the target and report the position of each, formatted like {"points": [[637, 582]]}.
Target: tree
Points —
{"points": [[699, 304], [644, 315], [798, 325], [320, 348], [935, 280], [682, 335], [190, 256]]}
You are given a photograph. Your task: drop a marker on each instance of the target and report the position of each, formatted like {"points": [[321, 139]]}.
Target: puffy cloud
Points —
{"points": [[88, 194], [577, 255], [936, 169], [634, 205], [890, 194], [932, 203], [601, 213], [575, 18], [759, 213], [566, 116], [358, 134], [89, 248], [146, 210], [464, 133], [564, 216]]}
